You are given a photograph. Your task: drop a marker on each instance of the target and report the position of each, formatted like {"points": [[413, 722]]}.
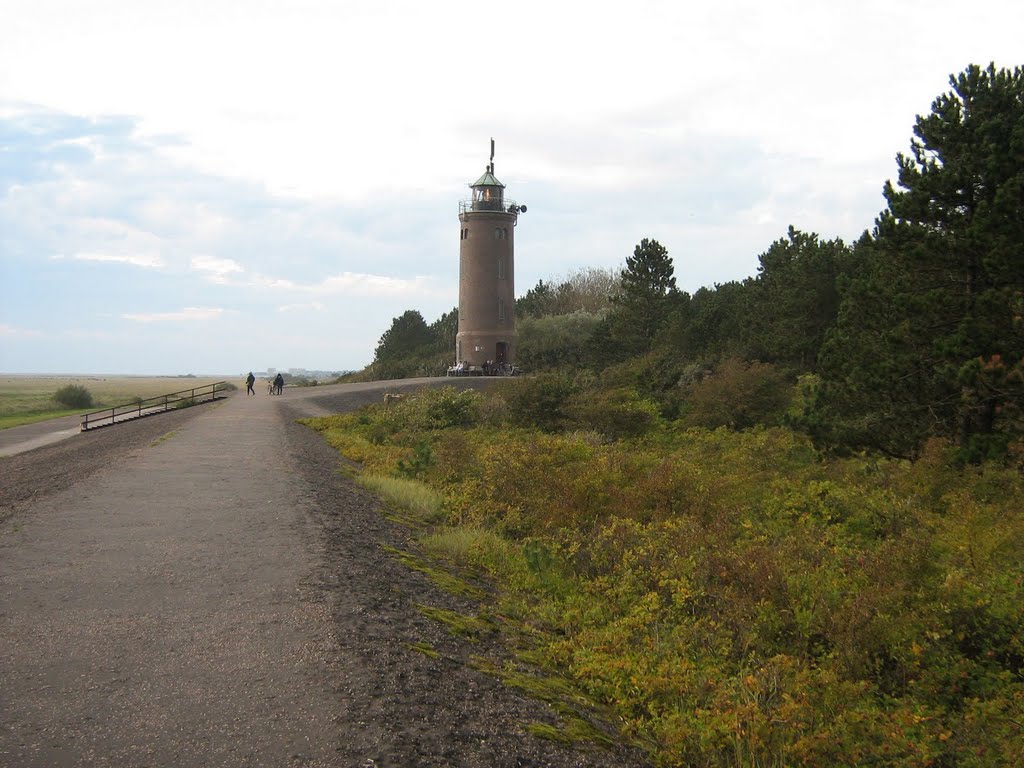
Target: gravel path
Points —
{"points": [[204, 588]]}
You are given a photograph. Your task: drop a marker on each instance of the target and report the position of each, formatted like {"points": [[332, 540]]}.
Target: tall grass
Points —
{"points": [[409, 496]]}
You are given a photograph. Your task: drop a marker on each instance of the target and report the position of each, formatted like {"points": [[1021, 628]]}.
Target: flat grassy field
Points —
{"points": [[25, 399]]}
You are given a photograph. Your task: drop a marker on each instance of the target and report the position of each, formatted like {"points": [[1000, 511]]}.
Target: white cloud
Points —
{"points": [[188, 314], [216, 269], [800, 77], [274, 283], [352, 284], [148, 260], [327, 175], [315, 306], [355, 283]]}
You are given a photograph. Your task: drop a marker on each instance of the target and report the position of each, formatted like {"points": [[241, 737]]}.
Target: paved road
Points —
{"points": [[160, 614], [30, 436], [221, 598], [303, 401]]}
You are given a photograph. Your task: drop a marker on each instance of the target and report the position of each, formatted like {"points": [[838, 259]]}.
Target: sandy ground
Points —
{"points": [[205, 588]]}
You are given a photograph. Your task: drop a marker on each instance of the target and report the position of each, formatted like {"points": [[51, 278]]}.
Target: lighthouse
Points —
{"points": [[487, 303]]}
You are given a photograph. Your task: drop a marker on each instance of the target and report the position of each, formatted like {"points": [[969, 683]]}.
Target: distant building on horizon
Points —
{"points": [[487, 298]]}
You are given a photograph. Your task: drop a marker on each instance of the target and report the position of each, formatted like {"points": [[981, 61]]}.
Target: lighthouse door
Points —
{"points": [[501, 352]]}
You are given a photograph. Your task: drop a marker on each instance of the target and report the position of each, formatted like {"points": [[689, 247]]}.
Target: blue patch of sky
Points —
{"points": [[34, 144]]}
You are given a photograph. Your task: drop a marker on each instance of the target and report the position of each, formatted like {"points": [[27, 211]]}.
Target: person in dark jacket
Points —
{"points": [[249, 381]]}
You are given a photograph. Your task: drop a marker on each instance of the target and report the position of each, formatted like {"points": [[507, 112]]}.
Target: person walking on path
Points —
{"points": [[279, 384], [249, 381]]}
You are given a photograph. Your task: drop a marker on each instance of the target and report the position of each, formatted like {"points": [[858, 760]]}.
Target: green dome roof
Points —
{"points": [[487, 180]]}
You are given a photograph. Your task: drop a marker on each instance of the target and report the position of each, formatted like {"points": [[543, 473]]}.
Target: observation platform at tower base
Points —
{"points": [[487, 369]]}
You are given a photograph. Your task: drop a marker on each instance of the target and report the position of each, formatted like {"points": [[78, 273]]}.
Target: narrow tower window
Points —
{"points": [[501, 267], [501, 309]]}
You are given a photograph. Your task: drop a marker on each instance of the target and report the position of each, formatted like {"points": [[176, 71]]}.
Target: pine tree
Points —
{"points": [[794, 300], [941, 352], [644, 301], [407, 335]]}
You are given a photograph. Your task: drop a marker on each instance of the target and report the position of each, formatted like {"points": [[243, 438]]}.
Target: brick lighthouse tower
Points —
{"points": [[487, 301]]}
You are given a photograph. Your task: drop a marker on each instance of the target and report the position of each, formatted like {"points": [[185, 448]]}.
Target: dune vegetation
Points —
{"points": [[730, 597], [775, 522]]}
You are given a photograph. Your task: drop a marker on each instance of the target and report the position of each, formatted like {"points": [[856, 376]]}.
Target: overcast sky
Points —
{"points": [[211, 187]]}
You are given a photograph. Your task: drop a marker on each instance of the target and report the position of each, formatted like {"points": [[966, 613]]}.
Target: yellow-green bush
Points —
{"points": [[738, 600]]}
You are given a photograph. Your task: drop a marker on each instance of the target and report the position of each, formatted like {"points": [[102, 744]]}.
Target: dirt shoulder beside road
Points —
{"points": [[235, 608]]}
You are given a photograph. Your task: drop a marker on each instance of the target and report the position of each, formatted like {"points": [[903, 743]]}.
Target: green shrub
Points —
{"points": [[447, 407], [74, 396], [555, 342], [738, 395], [425, 410], [617, 414], [540, 401], [422, 459]]}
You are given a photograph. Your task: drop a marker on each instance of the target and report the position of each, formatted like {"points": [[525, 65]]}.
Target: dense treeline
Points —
{"points": [[411, 348], [776, 522], [914, 331]]}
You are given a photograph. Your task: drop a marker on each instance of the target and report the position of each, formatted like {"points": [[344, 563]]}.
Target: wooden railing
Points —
{"points": [[153, 405]]}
